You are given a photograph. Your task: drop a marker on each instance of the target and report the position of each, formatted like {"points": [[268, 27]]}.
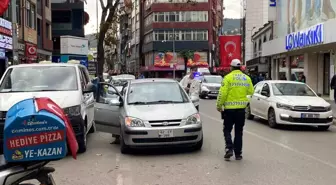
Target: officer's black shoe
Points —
{"points": [[228, 154], [239, 157]]}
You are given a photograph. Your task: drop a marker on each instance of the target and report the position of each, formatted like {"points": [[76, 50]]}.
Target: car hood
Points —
{"points": [[62, 98], [161, 111], [302, 100], [211, 84]]}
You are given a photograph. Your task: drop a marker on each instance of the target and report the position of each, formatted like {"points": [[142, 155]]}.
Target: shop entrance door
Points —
{"points": [[326, 75]]}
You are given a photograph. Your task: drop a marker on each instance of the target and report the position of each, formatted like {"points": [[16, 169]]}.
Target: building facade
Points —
{"points": [[256, 15], [170, 27], [304, 45], [33, 29], [68, 18]]}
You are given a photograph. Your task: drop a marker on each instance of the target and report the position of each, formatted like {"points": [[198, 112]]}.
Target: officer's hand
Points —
{"points": [[219, 109]]}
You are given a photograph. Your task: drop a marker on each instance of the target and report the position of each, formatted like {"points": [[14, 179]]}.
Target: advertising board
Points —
{"points": [[6, 42], [74, 45], [32, 133]]}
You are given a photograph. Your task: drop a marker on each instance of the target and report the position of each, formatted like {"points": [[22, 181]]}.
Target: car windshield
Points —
{"points": [[40, 78], [213, 79], [291, 89], [156, 93]]}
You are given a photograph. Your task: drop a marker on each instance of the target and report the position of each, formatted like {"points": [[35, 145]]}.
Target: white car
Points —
{"points": [[289, 103], [65, 84]]}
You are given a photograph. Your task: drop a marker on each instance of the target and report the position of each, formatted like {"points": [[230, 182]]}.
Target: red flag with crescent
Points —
{"points": [[3, 6], [230, 48]]}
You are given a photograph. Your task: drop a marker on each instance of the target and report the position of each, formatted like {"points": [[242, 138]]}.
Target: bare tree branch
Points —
{"points": [[102, 4]]}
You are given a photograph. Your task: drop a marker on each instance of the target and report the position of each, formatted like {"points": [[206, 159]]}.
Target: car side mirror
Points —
{"points": [[115, 102], [264, 93], [89, 88], [319, 94]]}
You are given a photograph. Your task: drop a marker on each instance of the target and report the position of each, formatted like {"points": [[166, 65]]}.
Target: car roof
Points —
{"points": [[152, 80], [281, 81], [50, 65]]}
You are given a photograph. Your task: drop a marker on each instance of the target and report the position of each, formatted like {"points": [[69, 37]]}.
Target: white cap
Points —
{"points": [[235, 63]]}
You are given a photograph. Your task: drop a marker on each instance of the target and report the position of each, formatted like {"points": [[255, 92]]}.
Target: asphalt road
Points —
{"points": [[286, 156]]}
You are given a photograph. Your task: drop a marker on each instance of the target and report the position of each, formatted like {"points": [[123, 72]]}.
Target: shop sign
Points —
{"points": [[309, 37], [5, 24], [31, 51], [6, 42], [272, 3]]}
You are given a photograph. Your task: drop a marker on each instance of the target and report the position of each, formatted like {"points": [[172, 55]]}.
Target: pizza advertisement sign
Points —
{"points": [[34, 134]]}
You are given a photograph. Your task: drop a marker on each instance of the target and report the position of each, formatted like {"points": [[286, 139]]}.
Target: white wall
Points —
{"points": [[256, 16]]}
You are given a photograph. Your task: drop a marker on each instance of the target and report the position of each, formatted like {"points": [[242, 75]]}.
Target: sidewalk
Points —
{"points": [[333, 105]]}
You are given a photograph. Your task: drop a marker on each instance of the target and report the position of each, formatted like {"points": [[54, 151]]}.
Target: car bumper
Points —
{"points": [[77, 124], [287, 117], [209, 93], [149, 137]]}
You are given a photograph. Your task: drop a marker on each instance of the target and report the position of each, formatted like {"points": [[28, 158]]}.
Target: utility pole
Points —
{"points": [[14, 32], [175, 57]]}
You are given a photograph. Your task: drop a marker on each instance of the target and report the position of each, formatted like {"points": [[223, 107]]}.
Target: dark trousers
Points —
{"points": [[236, 118], [335, 95]]}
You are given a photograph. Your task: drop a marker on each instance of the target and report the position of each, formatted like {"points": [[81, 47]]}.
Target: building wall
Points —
{"points": [[46, 31], [256, 16]]}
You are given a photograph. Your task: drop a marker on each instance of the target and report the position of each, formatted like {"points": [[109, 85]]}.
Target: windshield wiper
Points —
{"points": [[165, 101], [138, 103]]}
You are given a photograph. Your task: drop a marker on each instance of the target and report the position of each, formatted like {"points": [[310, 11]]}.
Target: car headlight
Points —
{"points": [[205, 88], [284, 106], [193, 119], [134, 122], [72, 111]]}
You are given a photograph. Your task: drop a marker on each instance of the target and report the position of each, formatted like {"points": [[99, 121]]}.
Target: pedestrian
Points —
{"points": [[191, 85], [333, 85], [236, 86]]}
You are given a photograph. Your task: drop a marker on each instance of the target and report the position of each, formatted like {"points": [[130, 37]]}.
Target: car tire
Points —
{"points": [[202, 96], [93, 128], [323, 128], [124, 149], [248, 114], [82, 141], [198, 145], [272, 118]]}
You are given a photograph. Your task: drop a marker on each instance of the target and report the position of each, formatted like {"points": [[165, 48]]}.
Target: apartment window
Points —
{"points": [[184, 16], [47, 3], [137, 17], [186, 35], [159, 35], [48, 30], [159, 17], [30, 15], [18, 12]]}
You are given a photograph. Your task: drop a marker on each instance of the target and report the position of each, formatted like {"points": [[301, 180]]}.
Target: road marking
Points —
{"points": [[277, 143]]}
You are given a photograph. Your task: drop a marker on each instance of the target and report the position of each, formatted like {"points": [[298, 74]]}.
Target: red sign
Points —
{"points": [[230, 48], [31, 51], [36, 139], [3, 6], [5, 31]]}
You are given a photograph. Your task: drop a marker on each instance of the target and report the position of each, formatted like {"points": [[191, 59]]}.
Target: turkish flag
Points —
{"points": [[50, 106], [230, 48], [3, 6]]}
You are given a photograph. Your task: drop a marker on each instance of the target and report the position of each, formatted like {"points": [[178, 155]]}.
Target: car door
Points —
{"points": [[264, 100], [106, 115], [254, 102], [88, 98]]}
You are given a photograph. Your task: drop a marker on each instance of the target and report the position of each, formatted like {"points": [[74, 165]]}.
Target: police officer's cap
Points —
{"points": [[235, 63]]}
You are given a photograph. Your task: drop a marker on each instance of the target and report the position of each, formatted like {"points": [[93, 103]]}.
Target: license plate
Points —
{"points": [[165, 133], [303, 115], [214, 92]]}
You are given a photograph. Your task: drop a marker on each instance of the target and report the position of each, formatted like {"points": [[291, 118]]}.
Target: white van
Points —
{"points": [[63, 83]]}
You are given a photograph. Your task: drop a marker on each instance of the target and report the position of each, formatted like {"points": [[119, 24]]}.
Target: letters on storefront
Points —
{"points": [[309, 37], [6, 42]]}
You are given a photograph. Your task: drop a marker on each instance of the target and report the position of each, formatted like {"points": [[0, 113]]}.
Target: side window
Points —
{"points": [[257, 88], [82, 78], [266, 88], [86, 75]]}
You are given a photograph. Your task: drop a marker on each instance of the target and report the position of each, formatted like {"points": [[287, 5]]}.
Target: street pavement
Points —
{"points": [[285, 156]]}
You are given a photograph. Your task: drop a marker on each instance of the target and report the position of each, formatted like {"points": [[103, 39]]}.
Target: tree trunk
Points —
{"points": [[100, 53]]}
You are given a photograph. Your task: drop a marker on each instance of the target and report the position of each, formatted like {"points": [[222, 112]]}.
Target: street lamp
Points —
{"points": [[174, 58]]}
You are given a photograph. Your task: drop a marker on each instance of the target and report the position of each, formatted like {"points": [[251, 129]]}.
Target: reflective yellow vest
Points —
{"points": [[234, 90]]}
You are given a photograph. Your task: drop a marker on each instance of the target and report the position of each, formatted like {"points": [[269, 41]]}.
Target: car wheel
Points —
{"points": [[248, 114], [323, 128], [124, 149], [82, 141], [93, 128], [198, 145], [271, 118], [202, 96]]}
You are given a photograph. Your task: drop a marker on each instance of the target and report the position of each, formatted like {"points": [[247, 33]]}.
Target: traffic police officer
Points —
{"points": [[236, 86]]}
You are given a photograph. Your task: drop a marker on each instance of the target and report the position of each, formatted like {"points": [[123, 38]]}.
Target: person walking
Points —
{"points": [[333, 85], [236, 86], [191, 85]]}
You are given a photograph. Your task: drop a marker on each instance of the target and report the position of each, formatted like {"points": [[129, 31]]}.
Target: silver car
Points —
{"points": [[210, 86], [150, 113]]}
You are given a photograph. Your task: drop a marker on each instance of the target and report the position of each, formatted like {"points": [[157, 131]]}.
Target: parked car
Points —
{"points": [[210, 85], [152, 113], [65, 84], [289, 103]]}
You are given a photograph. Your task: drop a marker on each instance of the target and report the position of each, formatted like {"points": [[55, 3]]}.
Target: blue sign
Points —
{"points": [[272, 3], [31, 135], [309, 37]]}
